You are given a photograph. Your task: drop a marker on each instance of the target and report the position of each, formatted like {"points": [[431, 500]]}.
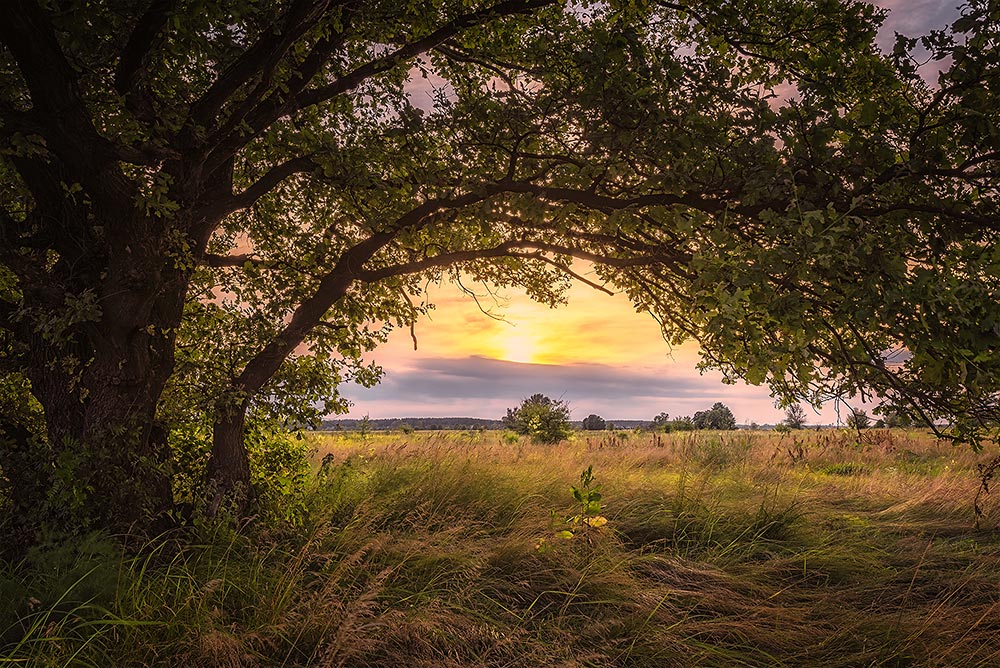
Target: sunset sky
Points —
{"points": [[596, 353]]}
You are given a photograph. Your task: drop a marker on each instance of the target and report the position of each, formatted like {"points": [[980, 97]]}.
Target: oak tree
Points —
{"points": [[544, 419], [209, 211], [719, 416]]}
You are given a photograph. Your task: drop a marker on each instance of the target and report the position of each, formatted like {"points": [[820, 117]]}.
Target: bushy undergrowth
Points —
{"points": [[280, 466], [449, 550]]}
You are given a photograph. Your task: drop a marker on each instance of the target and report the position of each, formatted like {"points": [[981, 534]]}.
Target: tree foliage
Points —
{"points": [[594, 422], [717, 417], [543, 419], [898, 420], [663, 422], [209, 212]]}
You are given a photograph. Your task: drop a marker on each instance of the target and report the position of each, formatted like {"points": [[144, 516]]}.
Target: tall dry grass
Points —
{"points": [[434, 549]]}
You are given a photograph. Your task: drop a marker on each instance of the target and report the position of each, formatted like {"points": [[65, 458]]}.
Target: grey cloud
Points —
{"points": [[485, 377], [483, 387]]}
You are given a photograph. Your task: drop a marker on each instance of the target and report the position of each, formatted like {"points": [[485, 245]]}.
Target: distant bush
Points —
{"points": [[543, 419], [795, 417], [594, 423], [898, 420], [681, 424], [662, 422], [858, 419], [511, 438], [717, 417]]}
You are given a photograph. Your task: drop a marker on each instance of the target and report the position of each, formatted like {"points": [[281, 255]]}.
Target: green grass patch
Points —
{"points": [[437, 550]]}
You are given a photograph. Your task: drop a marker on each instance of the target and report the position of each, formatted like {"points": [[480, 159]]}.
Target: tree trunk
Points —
{"points": [[112, 465], [229, 466], [99, 378]]}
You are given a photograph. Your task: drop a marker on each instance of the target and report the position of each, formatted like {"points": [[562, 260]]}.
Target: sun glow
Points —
{"points": [[476, 358], [595, 328], [517, 345]]}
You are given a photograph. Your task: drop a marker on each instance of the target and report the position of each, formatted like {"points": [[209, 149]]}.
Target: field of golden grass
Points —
{"points": [[470, 549]]}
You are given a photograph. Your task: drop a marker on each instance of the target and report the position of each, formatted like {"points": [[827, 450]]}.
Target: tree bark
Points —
{"points": [[99, 370], [229, 466], [228, 469], [112, 465]]}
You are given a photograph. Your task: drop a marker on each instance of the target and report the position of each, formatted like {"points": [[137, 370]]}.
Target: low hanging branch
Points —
{"points": [[736, 218]]}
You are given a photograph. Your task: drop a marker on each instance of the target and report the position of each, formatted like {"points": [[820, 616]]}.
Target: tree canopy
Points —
{"points": [[795, 417], [719, 416], [210, 211], [594, 422], [544, 419]]}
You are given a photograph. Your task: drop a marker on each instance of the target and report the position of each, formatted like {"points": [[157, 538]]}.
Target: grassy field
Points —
{"points": [[469, 549]]}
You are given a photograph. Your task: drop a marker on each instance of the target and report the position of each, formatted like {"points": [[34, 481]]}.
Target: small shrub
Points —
{"points": [[681, 424], [511, 438], [588, 513], [543, 419]]}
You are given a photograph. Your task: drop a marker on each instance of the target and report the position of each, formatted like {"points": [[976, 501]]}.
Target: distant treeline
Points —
{"points": [[445, 423]]}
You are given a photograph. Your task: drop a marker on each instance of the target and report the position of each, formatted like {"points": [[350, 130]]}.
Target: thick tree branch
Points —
{"points": [[276, 106], [335, 284], [676, 259], [129, 75], [57, 105], [16, 121], [331, 289], [260, 59], [229, 135], [416, 48], [272, 178], [512, 248], [31, 39], [140, 41], [500, 68]]}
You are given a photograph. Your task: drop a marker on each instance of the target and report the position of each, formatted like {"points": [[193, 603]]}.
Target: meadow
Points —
{"points": [[471, 549]]}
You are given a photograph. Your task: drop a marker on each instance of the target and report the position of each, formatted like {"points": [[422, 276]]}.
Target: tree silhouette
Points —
{"points": [[795, 417], [210, 213], [717, 417]]}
